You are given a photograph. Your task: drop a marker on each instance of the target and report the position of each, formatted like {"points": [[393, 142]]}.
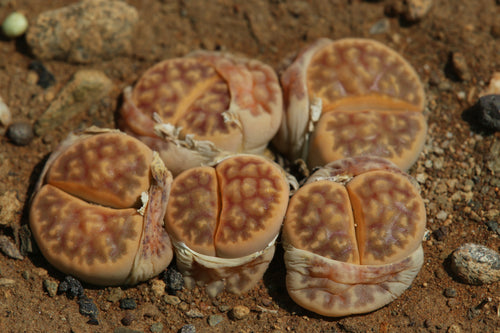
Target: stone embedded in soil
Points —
{"points": [[128, 304], [493, 87], [173, 279], [189, 328], [6, 282], [239, 312], [214, 320], [158, 287], [476, 264], [194, 313], [172, 300], [115, 294], [71, 286], [45, 78], [86, 87], [84, 32], [128, 319], [415, 10], [88, 307], [488, 107], [493, 157], [8, 248], [460, 67], [20, 133], [10, 206], [51, 287]]}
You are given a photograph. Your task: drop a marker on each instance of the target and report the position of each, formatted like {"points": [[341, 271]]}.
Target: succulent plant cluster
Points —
{"points": [[190, 174]]}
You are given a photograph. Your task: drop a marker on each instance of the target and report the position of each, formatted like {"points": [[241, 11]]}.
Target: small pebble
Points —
{"points": [[239, 312], [115, 294], [93, 321], [454, 329], [174, 280], [493, 87], [183, 306], [71, 286], [450, 292], [45, 78], [442, 215], [189, 328], [213, 320], [15, 25], [194, 313], [440, 233], [87, 307], [476, 264], [20, 133], [415, 10], [158, 287], [172, 300], [5, 282], [128, 319], [493, 226], [9, 248], [488, 107], [380, 27], [128, 304], [460, 67], [50, 287], [156, 328]]}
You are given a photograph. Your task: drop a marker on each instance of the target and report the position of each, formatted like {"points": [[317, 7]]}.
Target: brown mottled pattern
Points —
{"points": [[193, 209], [319, 219], [384, 134], [360, 67], [266, 88], [204, 116], [80, 231], [109, 169], [251, 197], [388, 213]]}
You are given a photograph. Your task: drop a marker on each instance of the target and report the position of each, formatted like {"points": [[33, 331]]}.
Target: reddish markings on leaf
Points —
{"points": [[81, 231], [319, 219], [242, 213]]}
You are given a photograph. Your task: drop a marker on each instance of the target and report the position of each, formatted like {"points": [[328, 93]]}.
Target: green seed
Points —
{"points": [[15, 25]]}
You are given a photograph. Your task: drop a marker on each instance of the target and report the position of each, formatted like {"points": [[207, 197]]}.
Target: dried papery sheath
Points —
{"points": [[352, 237], [97, 211], [351, 97], [235, 275], [224, 221], [200, 108]]}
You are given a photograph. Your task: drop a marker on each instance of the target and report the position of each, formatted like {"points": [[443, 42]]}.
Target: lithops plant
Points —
{"points": [[98, 209], [197, 109], [351, 97], [224, 221], [352, 237]]}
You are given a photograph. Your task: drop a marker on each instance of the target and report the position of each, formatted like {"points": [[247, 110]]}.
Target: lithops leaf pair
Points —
{"points": [[224, 221], [352, 237], [98, 209], [351, 97], [197, 109]]}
